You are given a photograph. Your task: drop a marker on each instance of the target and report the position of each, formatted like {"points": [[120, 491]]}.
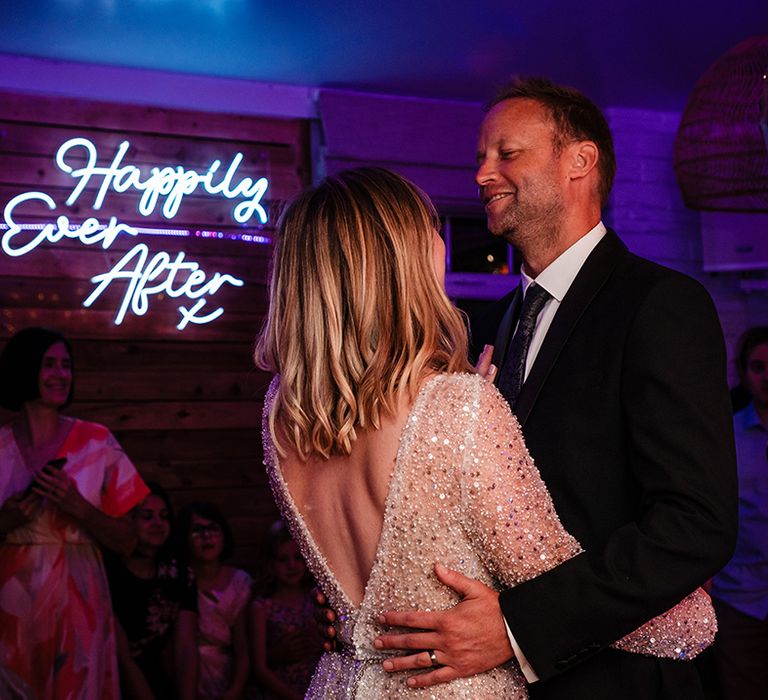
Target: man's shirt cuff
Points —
{"points": [[525, 667]]}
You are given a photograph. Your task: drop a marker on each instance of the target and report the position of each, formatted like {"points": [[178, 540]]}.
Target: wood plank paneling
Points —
{"points": [[136, 355], [172, 415], [186, 406], [241, 474], [169, 448], [29, 138], [172, 384], [157, 323], [128, 119]]}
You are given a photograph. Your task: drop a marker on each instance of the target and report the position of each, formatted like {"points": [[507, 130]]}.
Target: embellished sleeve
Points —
{"points": [[680, 633], [123, 487], [510, 517], [508, 511]]}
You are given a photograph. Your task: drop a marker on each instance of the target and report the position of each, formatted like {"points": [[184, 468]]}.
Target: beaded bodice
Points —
{"points": [[464, 492]]}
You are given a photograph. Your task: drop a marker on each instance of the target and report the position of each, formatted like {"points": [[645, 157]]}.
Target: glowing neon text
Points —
{"points": [[89, 232], [173, 183], [145, 276], [142, 273]]}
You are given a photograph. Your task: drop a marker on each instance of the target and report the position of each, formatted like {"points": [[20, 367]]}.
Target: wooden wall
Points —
{"points": [[186, 405], [431, 142]]}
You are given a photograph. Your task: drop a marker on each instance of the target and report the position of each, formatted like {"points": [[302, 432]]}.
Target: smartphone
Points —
{"points": [[57, 463]]}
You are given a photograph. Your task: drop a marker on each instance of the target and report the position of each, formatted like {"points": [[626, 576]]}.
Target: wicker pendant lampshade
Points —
{"points": [[721, 149]]}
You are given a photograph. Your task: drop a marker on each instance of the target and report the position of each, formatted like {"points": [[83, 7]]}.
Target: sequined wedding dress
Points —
{"points": [[464, 492]]}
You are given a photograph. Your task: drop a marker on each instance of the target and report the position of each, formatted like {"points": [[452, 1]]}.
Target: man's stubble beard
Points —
{"points": [[531, 232]]}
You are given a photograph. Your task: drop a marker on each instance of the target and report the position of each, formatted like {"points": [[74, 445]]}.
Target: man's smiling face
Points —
{"points": [[520, 174]]}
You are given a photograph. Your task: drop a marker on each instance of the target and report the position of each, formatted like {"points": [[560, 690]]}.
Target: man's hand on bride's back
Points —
{"points": [[467, 639], [325, 617]]}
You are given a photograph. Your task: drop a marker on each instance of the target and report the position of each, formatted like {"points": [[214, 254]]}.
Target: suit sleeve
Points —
{"points": [[678, 443]]}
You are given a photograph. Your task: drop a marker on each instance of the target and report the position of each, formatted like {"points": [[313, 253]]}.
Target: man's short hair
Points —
{"points": [[575, 117]]}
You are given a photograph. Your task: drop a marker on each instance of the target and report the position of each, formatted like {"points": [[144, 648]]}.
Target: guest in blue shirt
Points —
{"points": [[740, 590]]}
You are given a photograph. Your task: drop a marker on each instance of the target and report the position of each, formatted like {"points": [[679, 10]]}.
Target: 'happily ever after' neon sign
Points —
{"points": [[165, 188]]}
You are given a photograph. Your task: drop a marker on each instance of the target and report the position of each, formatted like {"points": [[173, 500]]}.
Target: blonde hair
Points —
{"points": [[357, 316]]}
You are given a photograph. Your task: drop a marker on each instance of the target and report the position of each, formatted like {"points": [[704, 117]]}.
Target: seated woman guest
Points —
{"points": [[223, 594], [155, 601], [385, 452], [65, 489]]}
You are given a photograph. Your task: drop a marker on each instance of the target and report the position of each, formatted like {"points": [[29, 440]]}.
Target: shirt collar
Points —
{"points": [[558, 276], [748, 418]]}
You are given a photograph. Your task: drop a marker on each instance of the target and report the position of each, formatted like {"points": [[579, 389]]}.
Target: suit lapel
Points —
{"points": [[592, 276], [507, 325]]}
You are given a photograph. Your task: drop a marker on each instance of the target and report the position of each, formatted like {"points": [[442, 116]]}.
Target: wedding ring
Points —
{"points": [[433, 657]]}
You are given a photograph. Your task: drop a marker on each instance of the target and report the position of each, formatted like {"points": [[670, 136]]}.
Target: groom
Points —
{"points": [[617, 375]]}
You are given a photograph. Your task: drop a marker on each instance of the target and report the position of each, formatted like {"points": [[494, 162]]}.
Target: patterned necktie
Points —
{"points": [[513, 371]]}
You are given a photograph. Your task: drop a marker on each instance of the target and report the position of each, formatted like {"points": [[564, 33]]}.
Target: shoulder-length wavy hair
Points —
{"points": [[357, 316]]}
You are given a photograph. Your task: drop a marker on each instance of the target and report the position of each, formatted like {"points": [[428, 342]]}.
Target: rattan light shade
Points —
{"points": [[721, 155]]}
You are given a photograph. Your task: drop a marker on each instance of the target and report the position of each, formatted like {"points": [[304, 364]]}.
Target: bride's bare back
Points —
{"points": [[342, 500]]}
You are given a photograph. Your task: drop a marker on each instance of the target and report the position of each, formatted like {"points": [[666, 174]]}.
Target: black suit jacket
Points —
{"points": [[626, 414]]}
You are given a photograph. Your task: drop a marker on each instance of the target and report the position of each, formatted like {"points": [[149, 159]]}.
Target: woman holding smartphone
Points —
{"points": [[65, 488]]}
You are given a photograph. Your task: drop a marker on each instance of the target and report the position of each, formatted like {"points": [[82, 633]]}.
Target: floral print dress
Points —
{"points": [[57, 637]]}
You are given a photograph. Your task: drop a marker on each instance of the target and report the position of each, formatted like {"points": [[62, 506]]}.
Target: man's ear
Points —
{"points": [[583, 159]]}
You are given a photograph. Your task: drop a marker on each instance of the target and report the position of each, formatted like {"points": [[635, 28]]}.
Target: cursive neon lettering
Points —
{"points": [[132, 276], [146, 276], [172, 183], [62, 164], [139, 270], [190, 315], [246, 209], [89, 232]]}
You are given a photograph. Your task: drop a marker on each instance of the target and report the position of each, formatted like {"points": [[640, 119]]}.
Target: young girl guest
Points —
{"points": [[284, 643], [155, 601], [223, 593], [65, 489]]}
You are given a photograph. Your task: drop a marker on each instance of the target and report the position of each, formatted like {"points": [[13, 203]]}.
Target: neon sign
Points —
{"points": [[169, 182], [146, 275]]}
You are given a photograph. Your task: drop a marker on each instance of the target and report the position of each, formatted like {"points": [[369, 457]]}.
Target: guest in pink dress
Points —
{"points": [[65, 488]]}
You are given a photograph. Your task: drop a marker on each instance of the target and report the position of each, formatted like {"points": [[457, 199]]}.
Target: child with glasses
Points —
{"points": [[223, 593]]}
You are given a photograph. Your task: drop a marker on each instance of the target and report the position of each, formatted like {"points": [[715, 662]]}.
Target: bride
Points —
{"points": [[386, 453]]}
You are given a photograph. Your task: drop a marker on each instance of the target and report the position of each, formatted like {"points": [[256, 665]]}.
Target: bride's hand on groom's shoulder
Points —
{"points": [[484, 367], [467, 639]]}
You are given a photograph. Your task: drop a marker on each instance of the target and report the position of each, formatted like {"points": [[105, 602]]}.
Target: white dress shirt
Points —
{"points": [[557, 279]]}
